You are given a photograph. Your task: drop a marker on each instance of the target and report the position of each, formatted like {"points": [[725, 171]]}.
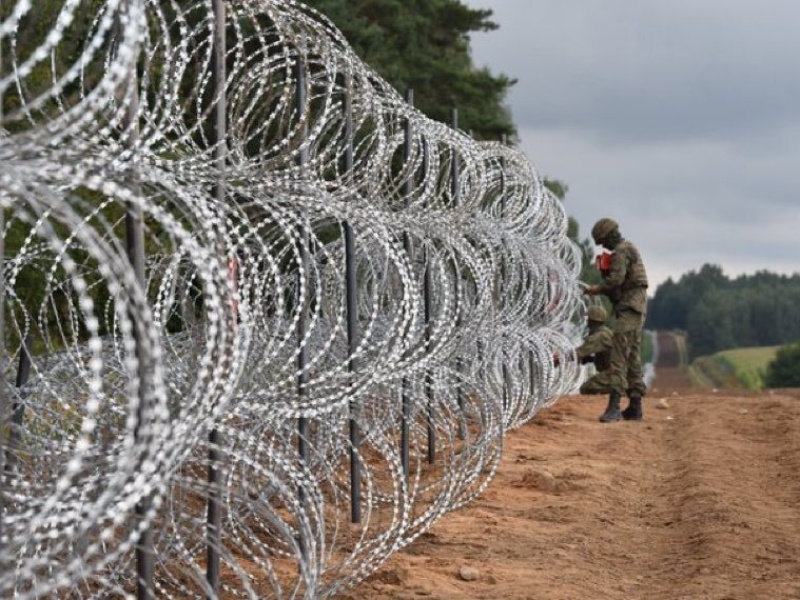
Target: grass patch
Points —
{"points": [[739, 368], [713, 372], [698, 378], [748, 364], [647, 347]]}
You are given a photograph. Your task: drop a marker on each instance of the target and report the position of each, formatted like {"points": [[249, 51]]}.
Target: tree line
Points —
{"points": [[719, 313], [425, 45]]}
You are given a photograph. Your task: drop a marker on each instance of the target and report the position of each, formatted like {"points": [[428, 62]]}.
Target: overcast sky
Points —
{"points": [[678, 118]]}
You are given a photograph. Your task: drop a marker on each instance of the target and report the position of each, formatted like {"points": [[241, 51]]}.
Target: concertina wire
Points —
{"points": [[238, 321]]}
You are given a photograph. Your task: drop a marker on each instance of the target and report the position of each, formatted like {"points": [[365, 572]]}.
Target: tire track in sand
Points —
{"points": [[725, 500]]}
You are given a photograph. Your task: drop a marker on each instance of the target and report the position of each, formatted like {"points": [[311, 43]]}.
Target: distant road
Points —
{"points": [[670, 368]]}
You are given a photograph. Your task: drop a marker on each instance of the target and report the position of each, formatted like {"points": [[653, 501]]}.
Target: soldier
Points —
{"points": [[625, 284], [596, 348]]}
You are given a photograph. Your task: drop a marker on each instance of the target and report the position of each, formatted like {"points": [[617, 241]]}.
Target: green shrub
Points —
{"points": [[784, 370], [647, 347]]}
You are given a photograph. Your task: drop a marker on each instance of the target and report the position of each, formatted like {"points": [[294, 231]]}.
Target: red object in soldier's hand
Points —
{"points": [[603, 261]]}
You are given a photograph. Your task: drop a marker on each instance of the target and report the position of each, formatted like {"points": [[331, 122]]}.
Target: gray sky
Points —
{"points": [[678, 118]]}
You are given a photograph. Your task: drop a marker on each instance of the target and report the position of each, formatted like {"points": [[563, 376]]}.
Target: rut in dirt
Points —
{"points": [[723, 500], [722, 495], [715, 506]]}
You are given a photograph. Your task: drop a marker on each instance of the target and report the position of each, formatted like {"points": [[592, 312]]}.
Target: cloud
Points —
{"points": [[686, 203], [681, 119], [628, 71]]}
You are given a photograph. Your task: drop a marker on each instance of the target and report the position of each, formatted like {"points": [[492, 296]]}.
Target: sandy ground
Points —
{"points": [[700, 500]]}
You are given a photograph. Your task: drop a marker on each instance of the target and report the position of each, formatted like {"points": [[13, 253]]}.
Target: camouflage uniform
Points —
{"points": [[598, 345], [625, 284]]}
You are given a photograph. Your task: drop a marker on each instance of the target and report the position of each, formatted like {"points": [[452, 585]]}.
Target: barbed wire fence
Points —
{"points": [[264, 322]]}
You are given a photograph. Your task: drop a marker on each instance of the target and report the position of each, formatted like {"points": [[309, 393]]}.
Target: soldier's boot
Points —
{"points": [[634, 410], [612, 412]]}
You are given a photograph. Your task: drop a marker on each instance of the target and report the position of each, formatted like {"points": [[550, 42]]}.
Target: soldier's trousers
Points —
{"points": [[624, 374]]}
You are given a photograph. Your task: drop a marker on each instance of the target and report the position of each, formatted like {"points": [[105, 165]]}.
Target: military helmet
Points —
{"points": [[596, 313], [602, 228]]}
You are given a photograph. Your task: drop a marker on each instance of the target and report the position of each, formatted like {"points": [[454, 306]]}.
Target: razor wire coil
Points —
{"points": [[242, 322]]}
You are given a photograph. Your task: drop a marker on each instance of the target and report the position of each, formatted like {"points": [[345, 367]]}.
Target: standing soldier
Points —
{"points": [[625, 284]]}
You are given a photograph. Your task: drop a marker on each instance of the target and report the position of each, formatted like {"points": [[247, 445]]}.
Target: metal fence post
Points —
{"points": [[134, 246], [303, 316], [455, 191], [503, 275], [427, 292], [406, 400], [220, 129], [352, 317], [4, 400], [18, 411], [427, 298]]}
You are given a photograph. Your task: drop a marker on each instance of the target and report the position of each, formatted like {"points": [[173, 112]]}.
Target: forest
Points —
{"points": [[718, 312], [425, 45]]}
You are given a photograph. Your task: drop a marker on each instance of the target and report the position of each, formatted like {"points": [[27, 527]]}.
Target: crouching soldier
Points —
{"points": [[596, 349]]}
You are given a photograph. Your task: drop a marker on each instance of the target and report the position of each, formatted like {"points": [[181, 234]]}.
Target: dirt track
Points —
{"points": [[701, 500]]}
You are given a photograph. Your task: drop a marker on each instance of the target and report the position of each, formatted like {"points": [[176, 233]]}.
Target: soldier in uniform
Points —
{"points": [[625, 284], [596, 348]]}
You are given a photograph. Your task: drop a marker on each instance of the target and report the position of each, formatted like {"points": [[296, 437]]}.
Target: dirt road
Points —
{"points": [[700, 500]]}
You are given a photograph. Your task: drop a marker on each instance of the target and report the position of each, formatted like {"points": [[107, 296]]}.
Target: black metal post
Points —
{"points": [[18, 414], [406, 400], [455, 191], [215, 475], [480, 356], [4, 560], [532, 371], [4, 398], [427, 298], [303, 310], [427, 292], [145, 556], [503, 276], [134, 246], [352, 319], [214, 513]]}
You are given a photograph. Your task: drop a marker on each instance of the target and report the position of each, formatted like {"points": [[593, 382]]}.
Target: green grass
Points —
{"points": [[713, 372], [647, 348], [739, 368], [748, 364]]}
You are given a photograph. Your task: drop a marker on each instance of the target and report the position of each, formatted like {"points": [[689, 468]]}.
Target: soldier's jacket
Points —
{"points": [[625, 284], [597, 343]]}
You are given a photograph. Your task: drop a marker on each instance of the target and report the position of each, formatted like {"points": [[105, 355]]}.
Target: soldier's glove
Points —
{"points": [[592, 290]]}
